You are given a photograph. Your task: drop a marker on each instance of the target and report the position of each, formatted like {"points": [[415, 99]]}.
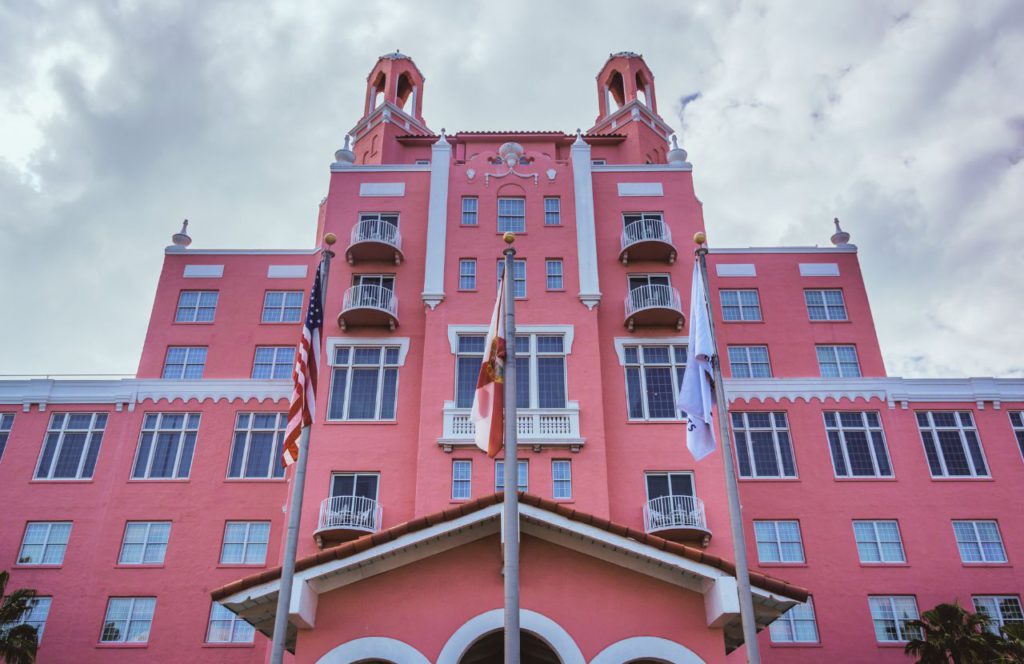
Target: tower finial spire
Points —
{"points": [[181, 238], [840, 237]]}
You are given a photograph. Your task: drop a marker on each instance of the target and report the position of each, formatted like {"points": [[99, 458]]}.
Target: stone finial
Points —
{"points": [[676, 156], [840, 237], [579, 137], [344, 157], [181, 238]]}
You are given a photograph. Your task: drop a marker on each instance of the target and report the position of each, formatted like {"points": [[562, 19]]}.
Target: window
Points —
{"points": [[468, 359], [6, 423], [1000, 609], [796, 625], [661, 485], [166, 446], [554, 273], [653, 376], [128, 620], [512, 215], [879, 542], [979, 542], [226, 627], [256, 450], [561, 479], [378, 226], [552, 211], [467, 274], [749, 362], [44, 543], [522, 476], [469, 210], [598, 162], [1016, 421], [184, 362], [71, 447], [354, 501], [540, 371], [144, 543], [282, 307], [196, 307], [857, 445], [741, 305], [364, 383], [273, 362], [355, 485], [890, 615], [462, 479], [651, 290], [34, 616], [670, 501], [763, 445], [825, 304], [951, 444], [838, 361], [518, 276], [245, 543], [640, 226], [779, 542]]}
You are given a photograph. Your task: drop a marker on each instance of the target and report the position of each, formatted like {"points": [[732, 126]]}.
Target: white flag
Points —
{"points": [[696, 396]]}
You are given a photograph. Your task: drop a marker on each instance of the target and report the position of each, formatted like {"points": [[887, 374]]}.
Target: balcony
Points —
{"points": [[536, 427], [369, 305], [647, 240], [375, 240], [344, 518], [654, 305], [677, 518]]}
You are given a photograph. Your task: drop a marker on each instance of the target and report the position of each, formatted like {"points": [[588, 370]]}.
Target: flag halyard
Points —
{"points": [[697, 393], [488, 413]]}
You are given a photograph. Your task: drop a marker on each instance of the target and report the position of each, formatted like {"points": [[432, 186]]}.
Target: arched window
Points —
{"points": [[377, 90], [641, 89], [406, 94], [616, 90]]}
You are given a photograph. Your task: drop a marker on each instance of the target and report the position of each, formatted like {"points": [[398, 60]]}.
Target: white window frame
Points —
{"points": [[462, 479], [93, 437], [741, 308], [1016, 423], [518, 276], [189, 428], [889, 603], [985, 557], [35, 615], [837, 427], [237, 628], [676, 365], [513, 227], [245, 423], [46, 544], [522, 475], [473, 358], [774, 538], [746, 429], [147, 612], [190, 360], [801, 613], [740, 357], [871, 527], [280, 311], [6, 424], [561, 479], [830, 315], [470, 217], [833, 351], [192, 310], [996, 611], [467, 274], [533, 354], [558, 274], [282, 361], [383, 367], [246, 542], [156, 535], [965, 424], [552, 210]]}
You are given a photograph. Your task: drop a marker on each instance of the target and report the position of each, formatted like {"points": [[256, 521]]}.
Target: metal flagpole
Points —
{"points": [[284, 593], [731, 485], [510, 520]]}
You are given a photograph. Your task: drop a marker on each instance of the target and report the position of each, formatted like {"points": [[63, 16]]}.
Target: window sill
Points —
{"points": [[162, 480], [30, 566], [840, 322], [469, 225], [795, 645], [142, 566], [198, 322], [741, 322], [240, 565], [255, 480], [229, 645], [884, 565], [467, 290], [370, 422], [769, 480], [60, 481], [665, 421], [865, 479], [986, 564], [122, 645], [779, 564], [555, 290], [962, 479], [279, 322], [891, 644]]}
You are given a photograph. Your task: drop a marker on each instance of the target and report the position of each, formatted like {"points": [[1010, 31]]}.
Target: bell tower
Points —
{"points": [[627, 105], [393, 107], [624, 78]]}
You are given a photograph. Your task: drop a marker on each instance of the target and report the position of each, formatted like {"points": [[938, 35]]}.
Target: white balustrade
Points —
{"points": [[674, 512], [653, 296], [350, 513], [646, 230], [533, 425], [371, 296], [375, 230]]}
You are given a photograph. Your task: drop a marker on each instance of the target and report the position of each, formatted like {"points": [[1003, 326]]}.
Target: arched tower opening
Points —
{"points": [[616, 88], [405, 94]]}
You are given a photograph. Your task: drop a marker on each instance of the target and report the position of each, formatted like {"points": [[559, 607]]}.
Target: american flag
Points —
{"points": [[303, 404]]}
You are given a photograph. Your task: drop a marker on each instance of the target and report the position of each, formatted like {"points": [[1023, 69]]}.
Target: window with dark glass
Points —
{"points": [[71, 447], [257, 446], [763, 446], [857, 445], [951, 444], [364, 383], [654, 374], [166, 446]]}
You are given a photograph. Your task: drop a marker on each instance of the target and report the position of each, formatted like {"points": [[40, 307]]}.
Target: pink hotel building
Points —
{"points": [[148, 512]]}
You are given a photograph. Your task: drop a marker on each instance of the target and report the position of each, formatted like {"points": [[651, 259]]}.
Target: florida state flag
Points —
{"points": [[489, 399]]}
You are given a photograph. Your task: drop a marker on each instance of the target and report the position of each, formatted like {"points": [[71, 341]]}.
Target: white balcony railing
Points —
{"points": [[645, 230], [371, 296], [534, 426], [674, 513], [653, 296], [375, 230], [350, 513]]}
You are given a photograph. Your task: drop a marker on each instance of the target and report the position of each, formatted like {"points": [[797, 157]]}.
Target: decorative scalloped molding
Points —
{"points": [[891, 390]]}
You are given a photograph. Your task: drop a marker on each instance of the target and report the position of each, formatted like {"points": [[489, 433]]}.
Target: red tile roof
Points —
{"points": [[771, 584]]}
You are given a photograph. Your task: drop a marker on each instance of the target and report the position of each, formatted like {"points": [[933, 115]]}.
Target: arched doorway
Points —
{"points": [[491, 647]]}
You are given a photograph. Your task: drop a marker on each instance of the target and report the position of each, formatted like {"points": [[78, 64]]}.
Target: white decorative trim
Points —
{"points": [[381, 168], [891, 390], [568, 331], [287, 271], [641, 168], [374, 648], [640, 189], [393, 189], [622, 342], [647, 647], [819, 269], [846, 249], [241, 252], [736, 270], [203, 272], [490, 621], [334, 342], [586, 233], [437, 222]]}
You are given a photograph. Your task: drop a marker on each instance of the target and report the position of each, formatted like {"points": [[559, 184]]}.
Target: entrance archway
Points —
{"points": [[490, 648]]}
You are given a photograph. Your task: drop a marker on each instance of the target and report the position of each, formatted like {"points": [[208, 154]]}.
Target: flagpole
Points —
{"points": [[731, 485], [510, 520], [284, 593]]}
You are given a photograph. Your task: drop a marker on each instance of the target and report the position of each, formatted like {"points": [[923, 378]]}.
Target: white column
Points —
{"points": [[586, 235], [437, 222]]}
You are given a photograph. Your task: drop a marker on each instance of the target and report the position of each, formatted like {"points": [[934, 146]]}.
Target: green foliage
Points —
{"points": [[18, 643], [951, 635]]}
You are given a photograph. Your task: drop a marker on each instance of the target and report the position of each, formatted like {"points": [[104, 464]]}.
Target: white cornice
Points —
{"points": [[381, 168], [891, 390], [131, 391], [239, 252], [845, 249], [640, 168]]}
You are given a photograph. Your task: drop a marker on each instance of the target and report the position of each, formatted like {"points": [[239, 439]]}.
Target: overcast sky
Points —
{"points": [[904, 119]]}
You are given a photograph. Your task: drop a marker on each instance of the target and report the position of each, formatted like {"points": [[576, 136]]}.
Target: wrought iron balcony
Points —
{"points": [[369, 305], [537, 427], [375, 240], [344, 518], [647, 240], [677, 518], [654, 305]]}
